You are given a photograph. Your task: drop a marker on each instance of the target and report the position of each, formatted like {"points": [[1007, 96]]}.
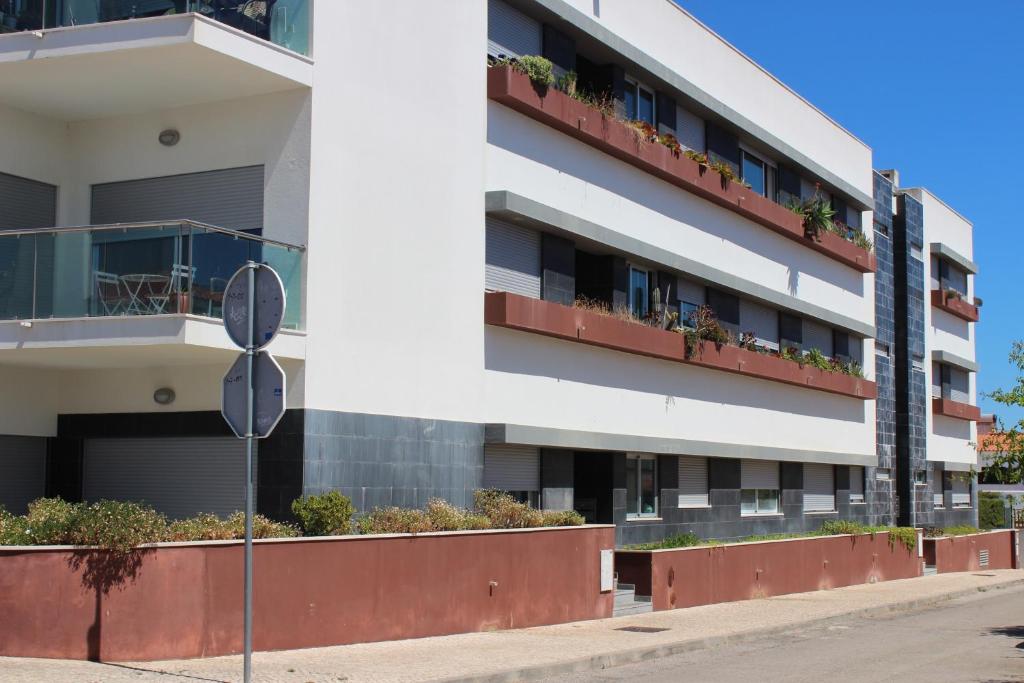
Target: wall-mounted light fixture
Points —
{"points": [[169, 137], [164, 396]]}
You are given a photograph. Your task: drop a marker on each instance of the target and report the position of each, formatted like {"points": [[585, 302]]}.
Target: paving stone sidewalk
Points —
{"points": [[543, 651]]}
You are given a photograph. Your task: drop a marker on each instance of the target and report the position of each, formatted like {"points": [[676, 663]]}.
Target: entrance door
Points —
{"points": [[592, 487]]}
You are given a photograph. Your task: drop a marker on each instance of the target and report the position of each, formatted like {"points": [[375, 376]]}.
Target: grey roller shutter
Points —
{"points": [[512, 259], [856, 484], [230, 198], [961, 490], [819, 488], [512, 468], [180, 477], [759, 474], [26, 204], [22, 471], [693, 481], [817, 336], [510, 32], [762, 321]]}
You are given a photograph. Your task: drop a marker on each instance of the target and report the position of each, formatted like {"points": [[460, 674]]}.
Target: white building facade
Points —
{"points": [[447, 239]]}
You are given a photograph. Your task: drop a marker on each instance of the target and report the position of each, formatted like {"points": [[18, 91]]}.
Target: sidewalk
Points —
{"points": [[542, 651]]}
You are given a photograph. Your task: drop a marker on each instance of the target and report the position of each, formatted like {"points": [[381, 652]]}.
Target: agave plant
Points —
{"points": [[818, 214]]}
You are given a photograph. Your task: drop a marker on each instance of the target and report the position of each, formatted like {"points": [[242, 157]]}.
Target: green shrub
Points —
{"points": [[117, 525], [817, 359], [905, 535], [684, 540], [539, 69], [562, 518], [960, 530], [505, 512], [202, 527], [326, 514], [51, 521], [991, 513], [443, 516], [13, 529], [837, 527]]}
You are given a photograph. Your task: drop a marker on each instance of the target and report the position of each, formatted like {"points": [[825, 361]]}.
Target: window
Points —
{"points": [[693, 482], [758, 174], [856, 484], [639, 102], [641, 486], [759, 481], [882, 474], [639, 292], [819, 487], [686, 310], [960, 482], [791, 332], [920, 478]]}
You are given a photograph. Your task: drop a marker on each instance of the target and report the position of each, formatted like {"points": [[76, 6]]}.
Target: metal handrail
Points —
{"points": [[151, 224]]}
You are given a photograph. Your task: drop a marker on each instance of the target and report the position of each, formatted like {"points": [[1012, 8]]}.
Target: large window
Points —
{"points": [[759, 174], [639, 102], [639, 292], [759, 480], [641, 485]]}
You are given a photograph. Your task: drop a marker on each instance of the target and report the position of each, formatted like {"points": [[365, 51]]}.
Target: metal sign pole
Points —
{"points": [[250, 353]]}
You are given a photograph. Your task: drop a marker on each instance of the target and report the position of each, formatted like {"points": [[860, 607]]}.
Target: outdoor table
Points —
{"points": [[147, 293]]}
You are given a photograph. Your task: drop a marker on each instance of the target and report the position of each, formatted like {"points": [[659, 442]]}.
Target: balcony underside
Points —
{"points": [[128, 341], [130, 67]]}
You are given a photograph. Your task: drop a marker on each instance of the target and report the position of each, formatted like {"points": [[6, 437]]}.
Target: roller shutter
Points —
{"points": [[230, 198], [819, 487], [22, 471], [510, 32], [856, 484], [817, 336], [759, 474], [180, 477], [693, 481], [961, 490], [512, 468], [512, 259], [26, 204]]}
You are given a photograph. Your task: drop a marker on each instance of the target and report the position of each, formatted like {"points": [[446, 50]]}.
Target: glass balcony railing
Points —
{"points": [[283, 22], [134, 270]]}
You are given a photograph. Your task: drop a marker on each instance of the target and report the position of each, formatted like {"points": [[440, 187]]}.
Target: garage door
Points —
{"points": [[26, 203], [179, 477], [22, 471], [230, 198]]}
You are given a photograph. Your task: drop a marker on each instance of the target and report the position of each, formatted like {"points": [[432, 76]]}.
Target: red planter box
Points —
{"points": [[185, 600], [955, 409], [964, 553], [687, 577], [556, 109], [955, 306], [503, 309]]}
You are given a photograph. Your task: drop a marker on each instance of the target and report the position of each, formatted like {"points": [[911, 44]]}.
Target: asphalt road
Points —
{"points": [[980, 638]]}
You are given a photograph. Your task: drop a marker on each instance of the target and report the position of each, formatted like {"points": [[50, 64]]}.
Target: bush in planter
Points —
{"points": [[505, 512], [538, 69], [562, 518], [117, 525], [326, 514], [444, 516], [50, 521], [394, 520], [991, 513]]}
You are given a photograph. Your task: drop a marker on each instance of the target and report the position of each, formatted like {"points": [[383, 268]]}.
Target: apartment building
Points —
{"points": [[492, 283]]}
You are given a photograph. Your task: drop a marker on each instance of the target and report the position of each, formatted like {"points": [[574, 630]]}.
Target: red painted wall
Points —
{"points": [[960, 553], [186, 600], [687, 577]]}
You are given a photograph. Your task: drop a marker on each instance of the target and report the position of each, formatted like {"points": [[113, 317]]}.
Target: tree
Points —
{"points": [[1005, 463]]}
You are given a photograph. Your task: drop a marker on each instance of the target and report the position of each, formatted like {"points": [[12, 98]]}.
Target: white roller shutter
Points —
{"points": [[512, 259], [179, 476], [693, 481], [510, 32], [759, 474], [762, 321], [512, 468], [690, 130], [819, 487], [229, 198], [856, 484], [22, 471]]}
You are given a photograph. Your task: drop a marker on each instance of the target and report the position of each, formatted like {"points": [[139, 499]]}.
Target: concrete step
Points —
{"points": [[930, 570], [631, 609]]}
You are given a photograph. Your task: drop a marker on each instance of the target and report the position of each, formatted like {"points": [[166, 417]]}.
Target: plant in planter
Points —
{"points": [[567, 83], [642, 131], [660, 316], [951, 294], [818, 214], [701, 159], [861, 240], [817, 359], [793, 354], [748, 341], [538, 69], [672, 143], [724, 170], [705, 327]]}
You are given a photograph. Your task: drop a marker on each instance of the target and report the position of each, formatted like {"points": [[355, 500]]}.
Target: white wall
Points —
{"points": [[33, 147], [676, 39], [533, 380], [538, 162], [396, 248]]}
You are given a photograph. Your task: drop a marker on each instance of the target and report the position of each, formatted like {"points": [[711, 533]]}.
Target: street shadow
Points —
{"points": [[1010, 632], [103, 570], [160, 672]]}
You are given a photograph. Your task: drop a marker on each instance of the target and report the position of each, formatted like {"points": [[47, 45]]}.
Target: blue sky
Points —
{"points": [[936, 90]]}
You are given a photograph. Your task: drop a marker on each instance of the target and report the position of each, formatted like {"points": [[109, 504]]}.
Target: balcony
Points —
{"points": [[68, 293], [513, 311], [952, 302], [93, 65], [572, 117], [955, 409]]}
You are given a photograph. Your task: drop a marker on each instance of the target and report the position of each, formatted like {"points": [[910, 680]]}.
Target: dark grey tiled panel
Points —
{"points": [[380, 460]]}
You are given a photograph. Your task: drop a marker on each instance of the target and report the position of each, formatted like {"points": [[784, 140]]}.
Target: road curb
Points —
{"points": [[640, 654]]}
